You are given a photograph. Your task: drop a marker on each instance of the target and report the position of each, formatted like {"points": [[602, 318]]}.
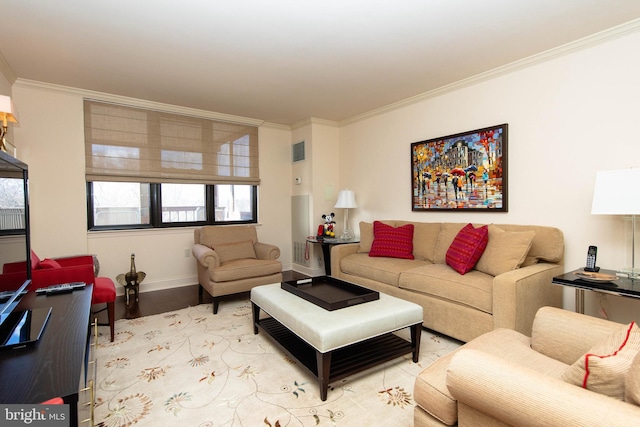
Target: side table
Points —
{"points": [[326, 249], [621, 286]]}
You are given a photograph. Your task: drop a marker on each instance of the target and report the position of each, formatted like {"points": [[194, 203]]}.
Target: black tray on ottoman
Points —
{"points": [[330, 293]]}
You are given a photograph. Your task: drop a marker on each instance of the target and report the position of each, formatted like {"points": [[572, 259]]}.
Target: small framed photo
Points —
{"points": [[462, 172]]}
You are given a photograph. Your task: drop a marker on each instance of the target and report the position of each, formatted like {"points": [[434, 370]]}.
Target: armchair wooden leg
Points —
{"points": [[111, 311], [216, 303]]}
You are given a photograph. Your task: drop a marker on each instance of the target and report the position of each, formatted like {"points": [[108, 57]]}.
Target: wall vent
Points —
{"points": [[297, 152]]}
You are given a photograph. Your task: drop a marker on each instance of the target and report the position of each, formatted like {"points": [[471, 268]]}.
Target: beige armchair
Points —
{"points": [[230, 260], [504, 378]]}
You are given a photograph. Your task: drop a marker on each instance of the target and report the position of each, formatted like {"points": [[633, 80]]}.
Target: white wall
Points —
{"points": [[50, 140], [568, 118]]}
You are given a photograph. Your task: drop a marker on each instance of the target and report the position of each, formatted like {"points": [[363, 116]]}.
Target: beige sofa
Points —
{"points": [[504, 378], [463, 306]]}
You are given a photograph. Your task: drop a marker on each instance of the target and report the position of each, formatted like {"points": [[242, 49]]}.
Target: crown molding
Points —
{"points": [[6, 70], [566, 49], [314, 121], [141, 103]]}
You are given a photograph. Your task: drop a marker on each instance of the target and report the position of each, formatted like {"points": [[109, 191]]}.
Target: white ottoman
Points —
{"points": [[334, 344]]}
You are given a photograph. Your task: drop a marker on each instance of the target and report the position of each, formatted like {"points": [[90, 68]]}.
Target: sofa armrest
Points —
{"points": [[519, 396], [518, 294], [266, 251], [206, 256], [337, 253]]}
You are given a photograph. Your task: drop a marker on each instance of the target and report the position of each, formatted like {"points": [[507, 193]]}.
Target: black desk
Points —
{"points": [[326, 249], [53, 366], [622, 286]]}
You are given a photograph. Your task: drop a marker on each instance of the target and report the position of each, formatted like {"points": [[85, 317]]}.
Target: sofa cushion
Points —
{"points": [[392, 242], [467, 248], [632, 383], [448, 232], [237, 250], [425, 237], [48, 263], [239, 269], [506, 250], [383, 270], [474, 289], [603, 368]]}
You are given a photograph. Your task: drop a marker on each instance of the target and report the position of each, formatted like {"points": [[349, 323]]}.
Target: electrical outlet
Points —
{"points": [[187, 253]]}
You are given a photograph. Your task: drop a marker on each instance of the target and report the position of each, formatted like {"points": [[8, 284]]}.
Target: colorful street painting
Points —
{"points": [[466, 171]]}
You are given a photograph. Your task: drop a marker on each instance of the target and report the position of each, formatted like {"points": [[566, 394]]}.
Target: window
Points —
{"points": [[147, 168], [122, 205]]}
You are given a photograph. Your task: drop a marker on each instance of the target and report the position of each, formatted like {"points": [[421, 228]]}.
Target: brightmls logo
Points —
{"points": [[36, 415]]}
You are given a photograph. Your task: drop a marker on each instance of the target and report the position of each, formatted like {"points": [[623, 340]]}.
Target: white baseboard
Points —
{"points": [[177, 282]]}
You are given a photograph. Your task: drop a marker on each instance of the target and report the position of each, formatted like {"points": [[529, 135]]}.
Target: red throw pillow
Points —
{"points": [[392, 242], [467, 248], [48, 263]]}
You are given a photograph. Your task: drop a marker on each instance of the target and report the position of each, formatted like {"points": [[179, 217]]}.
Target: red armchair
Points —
{"points": [[55, 271]]}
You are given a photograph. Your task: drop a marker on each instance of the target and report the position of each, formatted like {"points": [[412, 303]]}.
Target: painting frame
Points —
{"points": [[463, 172]]}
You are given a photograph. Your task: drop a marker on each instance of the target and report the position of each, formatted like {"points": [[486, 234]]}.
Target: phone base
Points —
{"points": [[592, 270]]}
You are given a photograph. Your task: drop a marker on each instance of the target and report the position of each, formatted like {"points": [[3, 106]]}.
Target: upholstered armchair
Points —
{"points": [[231, 260], [55, 271]]}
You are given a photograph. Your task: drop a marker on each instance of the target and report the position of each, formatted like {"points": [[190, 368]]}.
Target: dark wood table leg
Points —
{"points": [[324, 368], [326, 254], [256, 317], [416, 334]]}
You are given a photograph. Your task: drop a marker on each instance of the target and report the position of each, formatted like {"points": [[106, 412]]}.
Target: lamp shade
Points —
{"points": [[617, 193], [8, 111], [346, 199]]}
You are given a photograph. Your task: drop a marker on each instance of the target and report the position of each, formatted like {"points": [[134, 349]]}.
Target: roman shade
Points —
{"points": [[130, 144]]}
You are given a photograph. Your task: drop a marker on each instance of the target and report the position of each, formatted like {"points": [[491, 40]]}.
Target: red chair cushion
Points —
{"points": [[103, 291], [48, 263]]}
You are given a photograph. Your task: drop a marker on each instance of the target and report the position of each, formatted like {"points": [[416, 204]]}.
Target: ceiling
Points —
{"points": [[283, 61]]}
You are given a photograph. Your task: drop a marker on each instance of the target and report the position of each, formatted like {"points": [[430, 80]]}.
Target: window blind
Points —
{"points": [[137, 145]]}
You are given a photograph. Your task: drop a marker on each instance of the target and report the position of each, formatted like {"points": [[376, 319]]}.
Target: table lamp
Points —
{"points": [[7, 114], [617, 192], [346, 200]]}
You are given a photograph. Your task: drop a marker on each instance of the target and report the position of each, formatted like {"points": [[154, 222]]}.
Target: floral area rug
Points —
{"points": [[192, 368]]}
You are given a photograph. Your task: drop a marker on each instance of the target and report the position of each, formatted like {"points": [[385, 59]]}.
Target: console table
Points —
{"points": [[622, 286], [54, 366]]}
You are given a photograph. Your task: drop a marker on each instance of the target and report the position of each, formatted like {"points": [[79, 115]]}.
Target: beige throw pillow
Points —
{"points": [[603, 369], [506, 250], [236, 250]]}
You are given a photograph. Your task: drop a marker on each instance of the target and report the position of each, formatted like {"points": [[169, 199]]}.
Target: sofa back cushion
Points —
{"points": [[425, 237], [220, 235], [448, 232]]}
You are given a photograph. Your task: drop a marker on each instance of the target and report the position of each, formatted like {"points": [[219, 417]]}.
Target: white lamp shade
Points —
{"points": [[8, 110], [617, 193], [346, 199]]}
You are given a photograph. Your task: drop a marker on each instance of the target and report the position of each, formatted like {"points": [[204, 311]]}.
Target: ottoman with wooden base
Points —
{"points": [[332, 345]]}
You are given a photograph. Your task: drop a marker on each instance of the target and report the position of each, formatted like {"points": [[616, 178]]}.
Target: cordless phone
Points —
{"points": [[591, 259]]}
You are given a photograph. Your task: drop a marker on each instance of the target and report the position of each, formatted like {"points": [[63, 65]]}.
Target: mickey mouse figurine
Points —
{"points": [[328, 225]]}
